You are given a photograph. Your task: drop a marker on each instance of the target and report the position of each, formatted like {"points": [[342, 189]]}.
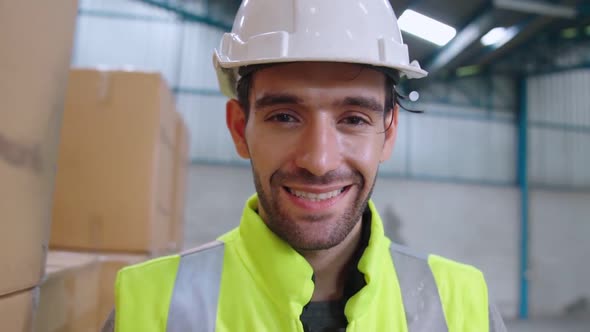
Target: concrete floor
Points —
{"points": [[549, 326]]}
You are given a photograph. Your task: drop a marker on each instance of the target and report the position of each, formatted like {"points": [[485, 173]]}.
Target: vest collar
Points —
{"points": [[286, 276]]}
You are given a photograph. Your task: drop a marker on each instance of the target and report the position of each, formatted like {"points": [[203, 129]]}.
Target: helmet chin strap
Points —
{"points": [[412, 97]]}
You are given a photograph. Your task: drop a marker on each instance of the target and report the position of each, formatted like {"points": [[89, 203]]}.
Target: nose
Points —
{"points": [[319, 149]]}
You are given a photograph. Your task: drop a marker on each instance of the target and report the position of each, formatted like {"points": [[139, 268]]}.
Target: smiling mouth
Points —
{"points": [[316, 197]]}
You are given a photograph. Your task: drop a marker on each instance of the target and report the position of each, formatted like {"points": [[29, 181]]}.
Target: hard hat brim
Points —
{"points": [[227, 70]]}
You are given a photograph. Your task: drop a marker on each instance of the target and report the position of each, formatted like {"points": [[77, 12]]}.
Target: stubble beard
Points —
{"points": [[295, 233]]}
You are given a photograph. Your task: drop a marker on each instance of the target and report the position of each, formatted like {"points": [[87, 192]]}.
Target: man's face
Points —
{"points": [[315, 135]]}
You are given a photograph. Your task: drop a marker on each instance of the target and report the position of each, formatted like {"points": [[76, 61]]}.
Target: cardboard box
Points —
{"points": [[34, 62], [181, 160], [69, 295], [165, 194], [114, 180], [17, 310], [109, 266]]}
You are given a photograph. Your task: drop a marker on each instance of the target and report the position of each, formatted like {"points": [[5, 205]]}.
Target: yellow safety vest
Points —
{"points": [[251, 280]]}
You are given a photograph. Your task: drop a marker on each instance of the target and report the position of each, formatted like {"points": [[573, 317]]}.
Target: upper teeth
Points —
{"points": [[316, 197]]}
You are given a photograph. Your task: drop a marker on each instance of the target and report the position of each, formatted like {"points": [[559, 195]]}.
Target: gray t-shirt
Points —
{"points": [[324, 317]]}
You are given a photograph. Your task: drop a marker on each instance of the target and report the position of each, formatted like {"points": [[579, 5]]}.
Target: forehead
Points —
{"points": [[325, 78]]}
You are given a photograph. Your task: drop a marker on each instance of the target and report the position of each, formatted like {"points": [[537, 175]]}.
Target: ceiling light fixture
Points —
{"points": [[498, 36], [426, 28]]}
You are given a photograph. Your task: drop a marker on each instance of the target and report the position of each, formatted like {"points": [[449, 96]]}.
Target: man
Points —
{"points": [[313, 106]]}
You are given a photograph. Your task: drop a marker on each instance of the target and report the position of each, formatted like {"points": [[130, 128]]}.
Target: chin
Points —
{"points": [[314, 235], [314, 245]]}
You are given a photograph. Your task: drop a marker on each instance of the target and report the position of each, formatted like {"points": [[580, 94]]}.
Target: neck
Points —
{"points": [[330, 266]]}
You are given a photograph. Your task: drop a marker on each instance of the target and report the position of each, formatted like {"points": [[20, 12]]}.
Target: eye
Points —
{"points": [[282, 117], [355, 121]]}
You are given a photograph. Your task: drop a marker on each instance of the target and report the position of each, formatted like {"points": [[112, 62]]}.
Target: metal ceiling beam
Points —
{"points": [[399, 7], [541, 54], [465, 38], [524, 45], [526, 30], [535, 7], [187, 15]]}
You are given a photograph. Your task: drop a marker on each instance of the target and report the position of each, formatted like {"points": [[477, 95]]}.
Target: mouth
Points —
{"points": [[316, 199]]}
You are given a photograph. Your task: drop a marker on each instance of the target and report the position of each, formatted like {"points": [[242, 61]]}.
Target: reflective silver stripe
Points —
{"points": [[422, 304], [193, 306], [496, 322]]}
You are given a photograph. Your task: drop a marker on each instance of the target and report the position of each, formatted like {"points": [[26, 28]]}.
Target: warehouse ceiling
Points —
{"points": [[532, 21]]}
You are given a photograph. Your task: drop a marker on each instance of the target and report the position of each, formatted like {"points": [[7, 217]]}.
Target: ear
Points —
{"points": [[390, 134], [235, 119]]}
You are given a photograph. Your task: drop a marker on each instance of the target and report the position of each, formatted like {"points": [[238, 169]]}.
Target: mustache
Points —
{"points": [[303, 176]]}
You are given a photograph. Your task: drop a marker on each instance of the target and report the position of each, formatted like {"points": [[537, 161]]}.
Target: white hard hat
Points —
{"points": [[275, 31]]}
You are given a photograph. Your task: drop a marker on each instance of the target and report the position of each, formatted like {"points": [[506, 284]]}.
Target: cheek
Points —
{"points": [[363, 151], [271, 144], [267, 151], [363, 156]]}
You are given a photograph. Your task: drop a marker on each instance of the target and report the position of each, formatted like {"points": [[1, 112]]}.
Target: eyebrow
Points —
{"points": [[362, 102], [272, 99]]}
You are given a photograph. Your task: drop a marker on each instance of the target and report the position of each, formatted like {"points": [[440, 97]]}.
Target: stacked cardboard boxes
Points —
{"points": [[69, 294], [34, 61], [17, 310], [119, 192], [77, 293], [115, 169], [181, 161], [109, 266]]}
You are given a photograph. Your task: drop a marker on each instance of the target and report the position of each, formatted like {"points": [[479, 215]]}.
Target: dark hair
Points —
{"points": [[245, 84]]}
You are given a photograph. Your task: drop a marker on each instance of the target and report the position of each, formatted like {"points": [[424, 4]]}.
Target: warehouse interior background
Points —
{"points": [[506, 128], [495, 173]]}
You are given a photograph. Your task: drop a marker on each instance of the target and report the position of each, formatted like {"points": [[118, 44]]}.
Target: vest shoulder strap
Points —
{"points": [[196, 291], [440, 294], [463, 293], [143, 293], [420, 297]]}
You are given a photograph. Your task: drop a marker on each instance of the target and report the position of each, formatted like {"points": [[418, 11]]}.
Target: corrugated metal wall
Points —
{"points": [[467, 133], [201, 103], [127, 34], [559, 134]]}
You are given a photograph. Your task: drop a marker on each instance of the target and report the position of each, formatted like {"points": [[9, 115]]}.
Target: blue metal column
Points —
{"points": [[208, 8], [523, 184]]}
